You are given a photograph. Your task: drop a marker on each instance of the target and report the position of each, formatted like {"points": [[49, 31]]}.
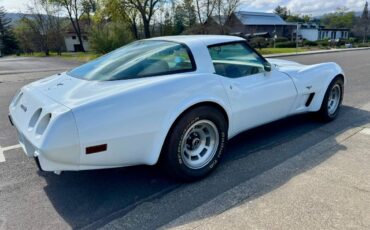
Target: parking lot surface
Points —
{"points": [[143, 197]]}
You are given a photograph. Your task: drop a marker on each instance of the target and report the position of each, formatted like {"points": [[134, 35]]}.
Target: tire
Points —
{"points": [[332, 101], [195, 144]]}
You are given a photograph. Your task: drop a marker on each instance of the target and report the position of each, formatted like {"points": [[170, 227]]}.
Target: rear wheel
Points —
{"points": [[195, 143], [332, 100]]}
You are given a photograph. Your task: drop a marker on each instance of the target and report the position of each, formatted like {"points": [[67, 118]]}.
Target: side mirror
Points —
{"points": [[267, 66]]}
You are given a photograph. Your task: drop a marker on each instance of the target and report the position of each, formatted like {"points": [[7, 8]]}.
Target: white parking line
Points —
{"points": [[2, 157], [11, 147], [365, 131], [2, 150]]}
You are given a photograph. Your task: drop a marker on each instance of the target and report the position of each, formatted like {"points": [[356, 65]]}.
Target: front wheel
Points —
{"points": [[332, 100], [195, 144]]}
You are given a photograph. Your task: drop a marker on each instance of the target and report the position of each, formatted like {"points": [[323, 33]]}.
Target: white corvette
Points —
{"points": [[176, 100]]}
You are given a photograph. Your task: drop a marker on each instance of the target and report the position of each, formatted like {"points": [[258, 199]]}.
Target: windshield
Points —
{"points": [[138, 59]]}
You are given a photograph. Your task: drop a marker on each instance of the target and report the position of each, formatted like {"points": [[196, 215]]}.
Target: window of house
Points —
{"points": [[235, 60], [74, 37]]}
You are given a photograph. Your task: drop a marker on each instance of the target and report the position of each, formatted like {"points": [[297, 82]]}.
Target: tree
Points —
{"points": [[282, 12], [74, 10], [298, 18], [224, 9], [118, 11], [365, 21], [8, 43], [190, 16], [107, 37], [204, 10], [341, 18], [167, 25], [179, 25], [145, 9], [89, 7], [41, 29]]}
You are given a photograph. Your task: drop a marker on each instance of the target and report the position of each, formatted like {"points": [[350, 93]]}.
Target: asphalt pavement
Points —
{"points": [[143, 197]]}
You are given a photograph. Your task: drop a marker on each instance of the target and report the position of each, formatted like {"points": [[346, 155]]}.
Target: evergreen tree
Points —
{"points": [[167, 27], [282, 12], [179, 25], [365, 21], [8, 43], [190, 16]]}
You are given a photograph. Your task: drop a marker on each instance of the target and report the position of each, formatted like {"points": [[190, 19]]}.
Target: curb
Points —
{"points": [[315, 52]]}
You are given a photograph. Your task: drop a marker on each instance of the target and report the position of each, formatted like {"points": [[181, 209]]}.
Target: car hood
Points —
{"points": [[289, 67], [281, 63], [73, 92]]}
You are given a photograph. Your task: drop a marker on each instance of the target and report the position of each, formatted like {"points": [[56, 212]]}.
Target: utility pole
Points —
{"points": [[296, 38], [1, 43], [275, 36]]}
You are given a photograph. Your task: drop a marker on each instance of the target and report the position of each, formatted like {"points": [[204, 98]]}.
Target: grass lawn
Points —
{"points": [[88, 56], [73, 56], [283, 50]]}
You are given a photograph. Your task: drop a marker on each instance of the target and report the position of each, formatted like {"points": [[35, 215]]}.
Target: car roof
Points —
{"points": [[196, 39]]}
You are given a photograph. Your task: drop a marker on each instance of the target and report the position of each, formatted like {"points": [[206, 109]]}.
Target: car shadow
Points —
{"points": [[93, 198]]}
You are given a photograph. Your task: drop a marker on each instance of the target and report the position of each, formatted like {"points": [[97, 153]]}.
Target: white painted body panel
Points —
{"points": [[133, 117]]}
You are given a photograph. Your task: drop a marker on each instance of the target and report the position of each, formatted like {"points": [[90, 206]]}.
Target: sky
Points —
{"points": [[311, 7]]}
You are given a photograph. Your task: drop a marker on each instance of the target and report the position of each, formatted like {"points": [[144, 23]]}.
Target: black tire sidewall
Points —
{"points": [[173, 156], [324, 108]]}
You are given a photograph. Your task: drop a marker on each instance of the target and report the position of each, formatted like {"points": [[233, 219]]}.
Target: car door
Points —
{"points": [[257, 94]]}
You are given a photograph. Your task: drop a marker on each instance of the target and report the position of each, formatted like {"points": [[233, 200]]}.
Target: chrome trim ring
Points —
{"points": [[334, 99], [200, 144]]}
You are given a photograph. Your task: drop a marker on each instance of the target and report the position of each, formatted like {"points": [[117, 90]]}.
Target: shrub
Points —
{"points": [[258, 42], [363, 45], [281, 39], [310, 43], [353, 40], [285, 45], [110, 36], [323, 43], [341, 42]]}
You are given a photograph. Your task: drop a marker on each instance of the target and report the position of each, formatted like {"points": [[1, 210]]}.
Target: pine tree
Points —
{"points": [[8, 43], [365, 21]]}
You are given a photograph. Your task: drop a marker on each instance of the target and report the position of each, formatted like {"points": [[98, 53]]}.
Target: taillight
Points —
{"points": [[43, 124], [35, 117]]}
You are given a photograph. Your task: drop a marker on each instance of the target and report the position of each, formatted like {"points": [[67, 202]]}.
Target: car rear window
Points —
{"points": [[139, 59]]}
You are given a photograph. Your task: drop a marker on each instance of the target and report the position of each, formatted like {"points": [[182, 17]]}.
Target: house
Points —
{"points": [[254, 23], [73, 44], [216, 25], [71, 39], [313, 32], [269, 25]]}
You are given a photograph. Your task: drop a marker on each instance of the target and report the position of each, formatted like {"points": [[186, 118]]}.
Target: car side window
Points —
{"points": [[235, 60]]}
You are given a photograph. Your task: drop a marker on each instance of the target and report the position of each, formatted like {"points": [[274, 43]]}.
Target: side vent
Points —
{"points": [[309, 99]]}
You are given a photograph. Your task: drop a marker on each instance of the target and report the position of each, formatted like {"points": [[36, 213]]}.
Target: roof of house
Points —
{"points": [[84, 25], [257, 18]]}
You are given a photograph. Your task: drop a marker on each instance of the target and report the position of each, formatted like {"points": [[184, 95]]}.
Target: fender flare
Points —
{"points": [[333, 71], [171, 119]]}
